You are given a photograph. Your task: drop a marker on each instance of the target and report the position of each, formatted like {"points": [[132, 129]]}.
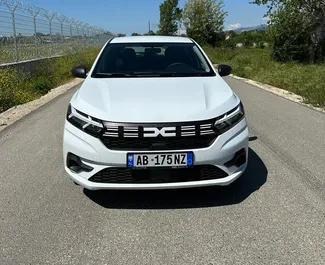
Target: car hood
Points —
{"points": [[154, 99]]}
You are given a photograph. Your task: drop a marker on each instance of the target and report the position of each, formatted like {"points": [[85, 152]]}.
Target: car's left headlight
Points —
{"points": [[230, 119], [84, 122]]}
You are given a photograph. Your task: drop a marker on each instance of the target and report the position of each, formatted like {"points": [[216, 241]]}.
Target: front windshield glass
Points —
{"points": [[151, 59]]}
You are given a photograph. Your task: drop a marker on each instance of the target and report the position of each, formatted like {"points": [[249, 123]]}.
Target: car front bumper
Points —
{"points": [[93, 153]]}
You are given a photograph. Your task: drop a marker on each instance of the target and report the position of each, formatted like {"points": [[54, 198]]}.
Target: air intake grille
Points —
{"points": [[143, 144], [147, 176]]}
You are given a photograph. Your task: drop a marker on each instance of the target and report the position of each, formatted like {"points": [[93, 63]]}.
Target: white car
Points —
{"points": [[153, 113]]}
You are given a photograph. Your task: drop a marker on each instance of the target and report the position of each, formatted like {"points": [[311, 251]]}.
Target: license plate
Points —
{"points": [[160, 160]]}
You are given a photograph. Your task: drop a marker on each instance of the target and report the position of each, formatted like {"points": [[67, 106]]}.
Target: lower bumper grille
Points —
{"points": [[152, 176]]}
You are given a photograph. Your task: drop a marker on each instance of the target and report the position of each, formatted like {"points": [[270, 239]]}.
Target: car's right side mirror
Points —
{"points": [[224, 69], [79, 71]]}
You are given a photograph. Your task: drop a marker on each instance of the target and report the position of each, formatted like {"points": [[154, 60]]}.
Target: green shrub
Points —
{"points": [[305, 80], [17, 87], [9, 80], [41, 84]]}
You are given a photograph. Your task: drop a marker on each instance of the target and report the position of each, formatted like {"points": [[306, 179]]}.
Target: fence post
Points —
{"points": [[77, 23], [98, 32], [34, 11], [79, 40], [92, 34], [86, 26], [12, 8], [83, 32], [50, 15], [95, 35], [70, 21], [61, 19]]}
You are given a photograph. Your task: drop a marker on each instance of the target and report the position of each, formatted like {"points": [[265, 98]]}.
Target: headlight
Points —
{"points": [[84, 122], [230, 119]]}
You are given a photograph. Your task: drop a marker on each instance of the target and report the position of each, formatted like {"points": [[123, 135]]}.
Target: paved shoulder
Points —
{"points": [[293, 132]]}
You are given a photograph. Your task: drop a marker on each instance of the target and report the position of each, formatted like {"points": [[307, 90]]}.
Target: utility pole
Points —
{"points": [[149, 28]]}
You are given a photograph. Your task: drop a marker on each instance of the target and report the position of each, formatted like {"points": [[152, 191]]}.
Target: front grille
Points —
{"points": [[143, 144], [171, 136], [147, 176]]}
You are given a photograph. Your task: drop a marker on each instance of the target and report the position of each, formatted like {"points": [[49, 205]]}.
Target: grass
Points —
{"points": [[307, 81], [18, 87], [28, 51]]}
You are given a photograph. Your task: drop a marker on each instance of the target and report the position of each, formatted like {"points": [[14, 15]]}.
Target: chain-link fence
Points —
{"points": [[28, 32]]}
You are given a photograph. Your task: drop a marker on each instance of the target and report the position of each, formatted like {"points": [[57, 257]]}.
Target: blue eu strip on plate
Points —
{"points": [[189, 159], [130, 160]]}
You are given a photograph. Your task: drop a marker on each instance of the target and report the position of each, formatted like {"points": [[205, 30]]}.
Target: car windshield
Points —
{"points": [[152, 60]]}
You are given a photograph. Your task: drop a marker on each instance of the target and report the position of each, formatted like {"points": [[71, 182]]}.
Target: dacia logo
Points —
{"points": [[154, 132]]}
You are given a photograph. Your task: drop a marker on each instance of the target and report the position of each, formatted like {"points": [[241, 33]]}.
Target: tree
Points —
{"points": [[271, 4], [298, 29], [151, 33], [232, 33], [135, 34], [204, 20], [39, 34], [121, 35], [169, 16]]}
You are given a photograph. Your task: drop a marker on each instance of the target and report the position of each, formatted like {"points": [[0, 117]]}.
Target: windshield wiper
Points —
{"points": [[107, 75]]}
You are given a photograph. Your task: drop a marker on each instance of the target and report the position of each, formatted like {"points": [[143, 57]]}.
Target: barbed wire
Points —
{"points": [[30, 32]]}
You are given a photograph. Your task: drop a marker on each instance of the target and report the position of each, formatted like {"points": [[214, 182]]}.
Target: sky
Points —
{"points": [[128, 16]]}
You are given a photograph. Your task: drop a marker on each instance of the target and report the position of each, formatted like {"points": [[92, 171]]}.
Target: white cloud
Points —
{"points": [[233, 26], [266, 19]]}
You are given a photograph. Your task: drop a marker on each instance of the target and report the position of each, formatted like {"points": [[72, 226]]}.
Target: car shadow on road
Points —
{"points": [[254, 177]]}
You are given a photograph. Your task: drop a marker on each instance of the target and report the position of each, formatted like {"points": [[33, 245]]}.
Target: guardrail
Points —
{"points": [[28, 32]]}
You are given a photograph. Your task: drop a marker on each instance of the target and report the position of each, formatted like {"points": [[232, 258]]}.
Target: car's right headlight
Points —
{"points": [[230, 119], [84, 122]]}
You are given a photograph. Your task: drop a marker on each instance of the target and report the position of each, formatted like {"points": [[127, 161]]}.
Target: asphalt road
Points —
{"points": [[275, 214]]}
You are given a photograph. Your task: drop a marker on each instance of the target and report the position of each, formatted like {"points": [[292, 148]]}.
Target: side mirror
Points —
{"points": [[224, 69], [79, 71]]}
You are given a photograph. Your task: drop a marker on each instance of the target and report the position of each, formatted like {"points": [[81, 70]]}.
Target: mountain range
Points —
{"points": [[241, 29]]}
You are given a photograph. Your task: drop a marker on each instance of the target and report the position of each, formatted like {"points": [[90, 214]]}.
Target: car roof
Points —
{"points": [[151, 39]]}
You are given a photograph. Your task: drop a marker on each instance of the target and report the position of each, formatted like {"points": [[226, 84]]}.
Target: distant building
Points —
{"points": [[228, 36]]}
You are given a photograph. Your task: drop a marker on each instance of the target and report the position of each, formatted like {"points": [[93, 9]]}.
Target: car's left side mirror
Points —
{"points": [[79, 71], [224, 69]]}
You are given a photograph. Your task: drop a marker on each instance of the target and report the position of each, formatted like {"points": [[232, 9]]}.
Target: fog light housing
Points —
{"points": [[75, 164], [238, 160]]}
